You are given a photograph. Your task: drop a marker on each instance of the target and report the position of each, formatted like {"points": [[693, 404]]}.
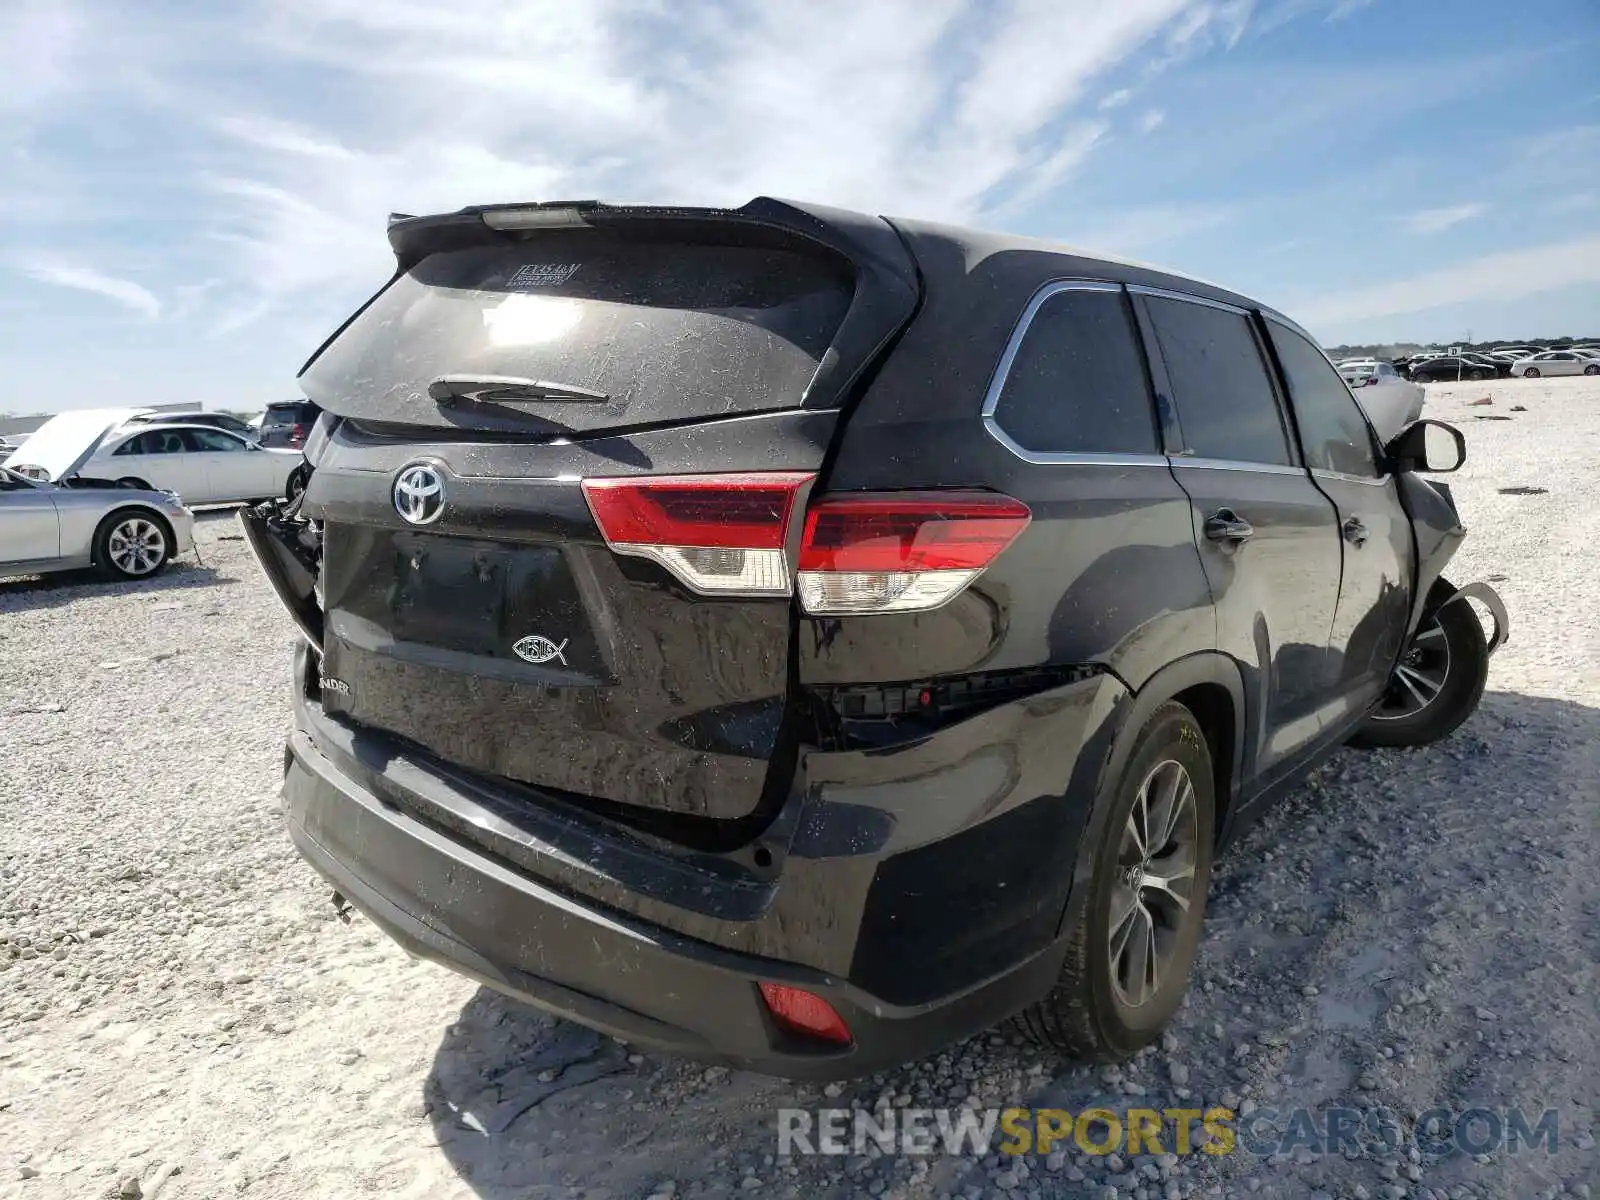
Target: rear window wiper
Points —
{"points": [[448, 390]]}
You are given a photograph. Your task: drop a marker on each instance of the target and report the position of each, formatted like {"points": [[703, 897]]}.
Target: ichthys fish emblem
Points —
{"points": [[538, 649]]}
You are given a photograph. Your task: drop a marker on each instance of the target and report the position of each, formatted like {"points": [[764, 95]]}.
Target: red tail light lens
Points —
{"points": [[718, 534], [803, 1012], [901, 552]]}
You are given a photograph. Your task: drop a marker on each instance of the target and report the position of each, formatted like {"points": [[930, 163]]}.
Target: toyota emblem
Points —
{"points": [[419, 494]]}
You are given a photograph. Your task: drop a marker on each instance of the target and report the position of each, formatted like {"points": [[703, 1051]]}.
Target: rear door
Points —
{"points": [[233, 470], [677, 379], [1269, 539], [1377, 539], [161, 457]]}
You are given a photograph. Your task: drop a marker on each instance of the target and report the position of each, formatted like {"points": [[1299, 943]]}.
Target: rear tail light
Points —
{"points": [[804, 1012], [869, 552], [297, 435], [901, 552], [718, 534]]}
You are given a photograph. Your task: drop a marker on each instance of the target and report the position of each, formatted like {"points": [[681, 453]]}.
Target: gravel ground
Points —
{"points": [[181, 1012]]}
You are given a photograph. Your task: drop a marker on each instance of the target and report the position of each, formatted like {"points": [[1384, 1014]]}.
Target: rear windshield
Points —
{"points": [[663, 331], [286, 414]]}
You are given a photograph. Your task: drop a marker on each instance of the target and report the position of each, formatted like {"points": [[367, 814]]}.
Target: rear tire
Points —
{"points": [[1105, 1006], [1477, 375], [1592, 369], [296, 484], [132, 543], [1438, 682]]}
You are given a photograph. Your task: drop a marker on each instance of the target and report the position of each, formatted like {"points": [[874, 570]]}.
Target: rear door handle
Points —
{"points": [[1355, 532], [1225, 525]]}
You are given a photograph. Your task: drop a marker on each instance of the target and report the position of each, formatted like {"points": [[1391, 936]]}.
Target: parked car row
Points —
{"points": [[111, 487], [1528, 362]]}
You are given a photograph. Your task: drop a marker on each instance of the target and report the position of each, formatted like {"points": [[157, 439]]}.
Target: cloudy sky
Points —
{"points": [[193, 194]]}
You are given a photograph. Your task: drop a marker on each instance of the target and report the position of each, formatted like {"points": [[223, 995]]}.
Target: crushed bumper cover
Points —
{"points": [[443, 900]]}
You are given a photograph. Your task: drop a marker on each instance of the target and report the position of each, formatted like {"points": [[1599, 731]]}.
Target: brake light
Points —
{"points": [[901, 552], [803, 1012], [718, 534], [297, 434]]}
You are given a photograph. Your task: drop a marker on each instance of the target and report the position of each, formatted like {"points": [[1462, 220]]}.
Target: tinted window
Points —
{"points": [[284, 414], [156, 441], [1333, 433], [663, 330], [1077, 382], [1220, 384], [211, 439]]}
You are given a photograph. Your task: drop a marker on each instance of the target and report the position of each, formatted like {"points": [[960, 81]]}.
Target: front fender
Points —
{"points": [[1439, 533], [1490, 599]]}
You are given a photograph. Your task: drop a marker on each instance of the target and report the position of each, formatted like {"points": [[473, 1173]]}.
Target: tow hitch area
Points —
{"points": [[1490, 599], [289, 549]]}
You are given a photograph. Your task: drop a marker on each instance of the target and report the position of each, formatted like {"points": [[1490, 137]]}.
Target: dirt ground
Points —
{"points": [[181, 1013]]}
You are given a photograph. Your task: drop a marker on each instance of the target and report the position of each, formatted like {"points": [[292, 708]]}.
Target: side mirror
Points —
{"points": [[1428, 446]]}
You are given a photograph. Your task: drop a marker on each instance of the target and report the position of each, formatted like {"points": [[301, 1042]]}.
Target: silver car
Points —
{"points": [[128, 534]]}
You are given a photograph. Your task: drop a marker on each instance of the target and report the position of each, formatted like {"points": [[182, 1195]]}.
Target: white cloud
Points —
{"points": [[1506, 276], [1152, 120], [932, 108], [264, 133], [125, 292], [37, 42], [1437, 220], [1138, 231]]}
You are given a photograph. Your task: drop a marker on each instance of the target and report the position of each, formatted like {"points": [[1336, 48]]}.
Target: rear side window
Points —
{"points": [[662, 330], [1333, 433], [156, 441], [1077, 381], [1220, 385], [212, 440]]}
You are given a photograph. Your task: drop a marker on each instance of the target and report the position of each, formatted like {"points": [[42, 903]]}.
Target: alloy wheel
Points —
{"points": [[1419, 676], [136, 546], [1154, 883]]}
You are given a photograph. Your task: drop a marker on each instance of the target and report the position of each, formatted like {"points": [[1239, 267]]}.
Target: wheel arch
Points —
{"points": [[1209, 684], [123, 510]]}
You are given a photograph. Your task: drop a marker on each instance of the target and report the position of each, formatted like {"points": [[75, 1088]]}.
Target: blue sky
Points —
{"points": [[192, 195]]}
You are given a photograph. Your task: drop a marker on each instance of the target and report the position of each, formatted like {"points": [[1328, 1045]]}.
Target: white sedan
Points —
{"points": [[201, 464], [1556, 362]]}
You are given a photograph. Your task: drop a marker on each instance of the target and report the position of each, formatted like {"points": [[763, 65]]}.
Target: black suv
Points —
{"points": [[800, 639], [288, 424]]}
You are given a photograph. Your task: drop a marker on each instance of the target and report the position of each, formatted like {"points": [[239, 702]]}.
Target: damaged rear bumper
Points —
{"points": [[444, 901]]}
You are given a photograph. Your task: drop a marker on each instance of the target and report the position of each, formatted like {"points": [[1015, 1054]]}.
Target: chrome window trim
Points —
{"points": [[1236, 464], [1167, 294], [991, 398], [1375, 480]]}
